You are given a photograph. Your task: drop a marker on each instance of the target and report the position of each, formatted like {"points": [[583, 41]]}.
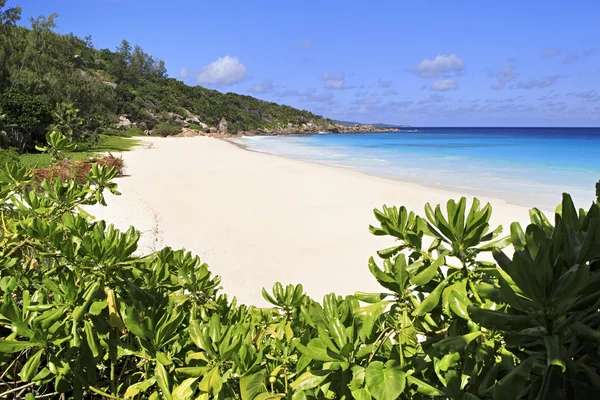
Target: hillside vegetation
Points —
{"points": [[49, 80]]}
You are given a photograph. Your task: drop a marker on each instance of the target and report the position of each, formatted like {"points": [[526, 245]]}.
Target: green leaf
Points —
{"points": [[585, 332], [299, 395], [267, 396], [252, 385], [309, 380], [512, 383], [448, 361], [427, 274], [162, 379], [554, 353], [572, 282], [361, 394], [133, 322], [317, 350], [30, 368], [212, 382], [390, 251], [569, 213], [496, 244], [384, 279], [501, 321], [458, 303], [373, 310], [185, 390], [455, 343], [139, 387], [370, 297], [193, 372], [423, 388], [385, 382], [431, 301], [15, 346], [338, 332]]}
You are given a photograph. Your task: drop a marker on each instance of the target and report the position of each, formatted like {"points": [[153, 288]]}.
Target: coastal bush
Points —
{"points": [[81, 314], [8, 156], [25, 119], [167, 129], [196, 127]]}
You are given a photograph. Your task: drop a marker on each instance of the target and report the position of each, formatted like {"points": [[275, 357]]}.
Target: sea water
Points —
{"points": [[526, 166]]}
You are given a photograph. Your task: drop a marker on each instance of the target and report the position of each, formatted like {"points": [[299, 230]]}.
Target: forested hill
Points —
{"points": [[51, 79]]}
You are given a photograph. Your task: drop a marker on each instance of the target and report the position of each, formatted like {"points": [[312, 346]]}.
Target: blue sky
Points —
{"points": [[423, 63]]}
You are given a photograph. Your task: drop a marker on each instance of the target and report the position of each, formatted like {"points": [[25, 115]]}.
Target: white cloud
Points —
{"points": [[434, 98], [506, 75], [184, 73], [570, 59], [551, 52], [538, 83], [367, 100], [390, 92], [224, 71], [309, 95], [439, 66], [289, 93], [591, 96], [265, 87], [312, 96], [335, 81], [384, 84], [444, 84], [334, 84]]}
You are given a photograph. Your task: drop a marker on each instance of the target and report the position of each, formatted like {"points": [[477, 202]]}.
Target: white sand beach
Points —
{"points": [[257, 218]]}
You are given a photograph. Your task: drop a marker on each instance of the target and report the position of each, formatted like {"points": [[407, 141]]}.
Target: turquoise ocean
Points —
{"points": [[525, 166]]}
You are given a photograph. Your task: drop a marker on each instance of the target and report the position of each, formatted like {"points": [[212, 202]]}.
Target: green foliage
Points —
{"points": [[25, 119], [82, 314], [83, 152], [196, 127], [67, 121], [10, 157], [58, 145], [167, 129], [9, 16]]}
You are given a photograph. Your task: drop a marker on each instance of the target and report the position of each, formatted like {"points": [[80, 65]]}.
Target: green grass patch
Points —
{"points": [[106, 144]]}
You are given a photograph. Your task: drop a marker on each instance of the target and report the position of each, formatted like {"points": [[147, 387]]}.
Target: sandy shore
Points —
{"points": [[257, 218]]}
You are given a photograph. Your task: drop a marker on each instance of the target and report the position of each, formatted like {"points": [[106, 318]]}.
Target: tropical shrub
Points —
{"points": [[196, 127], [82, 315], [8, 156], [25, 119], [167, 129]]}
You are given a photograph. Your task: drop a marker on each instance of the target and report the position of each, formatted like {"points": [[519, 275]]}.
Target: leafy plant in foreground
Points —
{"points": [[81, 315]]}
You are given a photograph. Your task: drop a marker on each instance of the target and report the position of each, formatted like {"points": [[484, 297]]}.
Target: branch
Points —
{"points": [[3, 395], [14, 249]]}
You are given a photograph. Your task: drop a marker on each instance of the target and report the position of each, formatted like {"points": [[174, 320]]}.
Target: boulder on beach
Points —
{"points": [[124, 123], [222, 126]]}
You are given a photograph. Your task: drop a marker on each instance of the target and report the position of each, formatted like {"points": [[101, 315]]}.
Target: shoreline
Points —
{"points": [[468, 191], [257, 218]]}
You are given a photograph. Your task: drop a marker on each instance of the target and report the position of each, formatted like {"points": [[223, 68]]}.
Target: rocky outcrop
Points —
{"points": [[187, 120], [222, 126], [124, 123], [222, 129], [187, 132], [178, 119]]}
